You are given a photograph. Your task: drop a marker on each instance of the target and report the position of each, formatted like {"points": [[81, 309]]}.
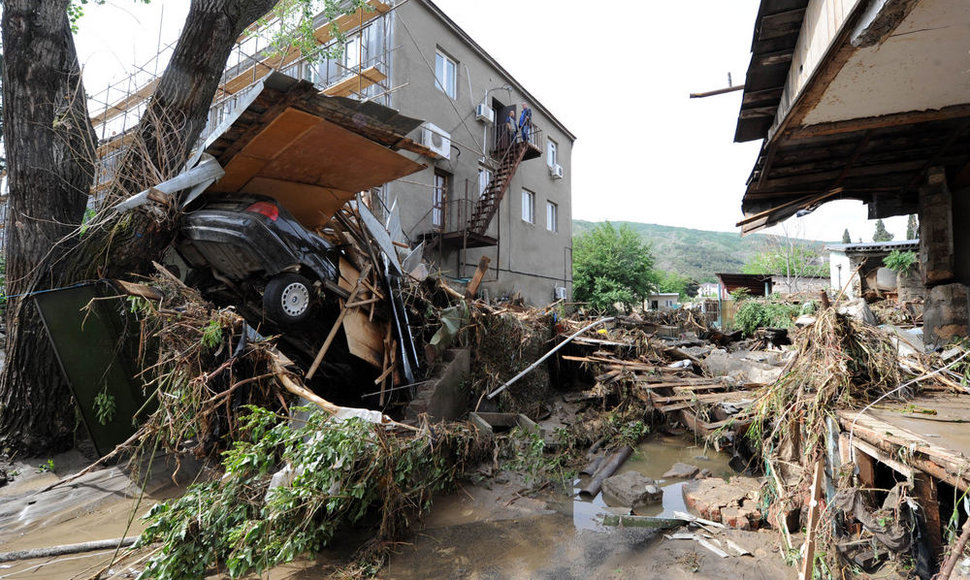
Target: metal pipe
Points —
{"points": [[716, 92]]}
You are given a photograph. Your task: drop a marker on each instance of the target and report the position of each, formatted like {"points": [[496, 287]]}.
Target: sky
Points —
{"points": [[619, 79]]}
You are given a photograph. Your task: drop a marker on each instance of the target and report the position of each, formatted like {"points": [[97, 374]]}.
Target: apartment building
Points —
{"points": [[486, 192]]}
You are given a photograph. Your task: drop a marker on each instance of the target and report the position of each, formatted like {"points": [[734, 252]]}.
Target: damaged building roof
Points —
{"points": [[870, 98], [309, 151], [875, 247]]}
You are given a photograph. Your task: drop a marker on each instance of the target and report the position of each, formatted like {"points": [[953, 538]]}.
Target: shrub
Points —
{"points": [[754, 314], [900, 262]]}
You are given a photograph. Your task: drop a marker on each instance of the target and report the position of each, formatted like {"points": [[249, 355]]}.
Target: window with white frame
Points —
{"points": [[552, 153], [446, 74], [552, 217], [351, 56], [528, 206], [484, 178]]}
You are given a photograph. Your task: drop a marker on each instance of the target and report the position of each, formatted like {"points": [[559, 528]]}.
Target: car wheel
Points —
{"points": [[288, 299]]}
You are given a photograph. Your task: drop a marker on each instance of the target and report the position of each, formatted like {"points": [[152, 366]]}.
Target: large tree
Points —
{"points": [[50, 152], [789, 257], [612, 266], [881, 234]]}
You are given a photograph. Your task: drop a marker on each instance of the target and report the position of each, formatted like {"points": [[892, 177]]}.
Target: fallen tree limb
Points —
{"points": [[64, 549], [955, 554], [290, 385], [608, 469], [118, 448]]}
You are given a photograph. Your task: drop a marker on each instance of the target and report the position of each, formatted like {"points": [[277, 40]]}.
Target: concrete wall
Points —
{"points": [[529, 259], [840, 269]]}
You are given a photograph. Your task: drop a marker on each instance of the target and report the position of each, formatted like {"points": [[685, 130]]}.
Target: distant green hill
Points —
{"points": [[697, 254]]}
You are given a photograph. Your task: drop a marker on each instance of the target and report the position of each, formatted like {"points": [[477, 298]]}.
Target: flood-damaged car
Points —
{"points": [[253, 241]]}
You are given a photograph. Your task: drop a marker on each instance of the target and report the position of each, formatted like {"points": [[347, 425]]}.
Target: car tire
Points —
{"points": [[288, 299]]}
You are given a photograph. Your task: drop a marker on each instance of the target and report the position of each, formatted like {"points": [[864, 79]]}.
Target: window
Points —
{"points": [[438, 196], [552, 153], [528, 206], [484, 178], [552, 217], [351, 54], [445, 74]]}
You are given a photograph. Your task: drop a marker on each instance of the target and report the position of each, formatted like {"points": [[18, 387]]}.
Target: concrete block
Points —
{"points": [[946, 314], [450, 397]]}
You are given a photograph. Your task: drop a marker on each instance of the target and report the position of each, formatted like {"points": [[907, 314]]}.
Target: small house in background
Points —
{"points": [[708, 289], [845, 259], [755, 284], [662, 301], [786, 285]]}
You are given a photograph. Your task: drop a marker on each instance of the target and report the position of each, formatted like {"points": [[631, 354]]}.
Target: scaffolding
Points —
{"points": [[359, 68]]}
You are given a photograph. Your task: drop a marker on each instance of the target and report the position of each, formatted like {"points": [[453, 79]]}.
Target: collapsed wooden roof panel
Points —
{"points": [[311, 152]]}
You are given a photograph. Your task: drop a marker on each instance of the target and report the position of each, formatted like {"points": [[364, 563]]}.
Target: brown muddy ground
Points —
{"points": [[98, 506], [495, 531], [491, 530]]}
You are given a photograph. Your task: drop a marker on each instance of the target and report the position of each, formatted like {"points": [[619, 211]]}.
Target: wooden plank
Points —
{"points": [[941, 463], [346, 22], [926, 493], [355, 83], [808, 563], [336, 325], [472, 289], [365, 339], [875, 453]]}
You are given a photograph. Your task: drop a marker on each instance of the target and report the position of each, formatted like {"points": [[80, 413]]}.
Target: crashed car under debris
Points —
{"points": [[251, 243]]}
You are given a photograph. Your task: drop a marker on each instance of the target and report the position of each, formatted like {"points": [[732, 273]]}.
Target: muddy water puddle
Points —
{"points": [[496, 532], [652, 459]]}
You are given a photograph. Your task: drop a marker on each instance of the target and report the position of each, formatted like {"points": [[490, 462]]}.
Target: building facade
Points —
{"points": [[446, 78]]}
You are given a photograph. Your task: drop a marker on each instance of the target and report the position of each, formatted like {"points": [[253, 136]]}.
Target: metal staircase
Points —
{"points": [[489, 202]]}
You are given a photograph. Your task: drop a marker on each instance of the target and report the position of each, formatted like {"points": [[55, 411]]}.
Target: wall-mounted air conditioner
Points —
{"points": [[560, 292], [436, 139], [484, 113], [555, 171]]}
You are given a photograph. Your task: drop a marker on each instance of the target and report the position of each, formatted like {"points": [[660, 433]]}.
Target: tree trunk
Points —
{"points": [[49, 146], [170, 127]]}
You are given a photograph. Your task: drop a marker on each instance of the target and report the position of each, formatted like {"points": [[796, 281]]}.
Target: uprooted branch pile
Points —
{"points": [[221, 392], [840, 363]]}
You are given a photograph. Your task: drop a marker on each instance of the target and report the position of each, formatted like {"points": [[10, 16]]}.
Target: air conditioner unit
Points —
{"points": [[436, 139], [560, 292], [484, 113], [555, 171]]}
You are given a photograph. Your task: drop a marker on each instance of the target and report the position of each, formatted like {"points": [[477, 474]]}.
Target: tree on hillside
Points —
{"points": [[612, 266], [846, 238], [674, 282], [788, 257], [881, 234], [50, 146], [912, 227]]}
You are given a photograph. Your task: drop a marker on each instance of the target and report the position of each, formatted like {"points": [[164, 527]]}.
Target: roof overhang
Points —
{"points": [[889, 99], [310, 152]]}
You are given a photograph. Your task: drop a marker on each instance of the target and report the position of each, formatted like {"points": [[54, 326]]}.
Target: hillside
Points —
{"points": [[697, 254]]}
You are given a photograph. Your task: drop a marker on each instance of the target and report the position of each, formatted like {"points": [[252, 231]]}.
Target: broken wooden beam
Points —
{"points": [[336, 325], [472, 290]]}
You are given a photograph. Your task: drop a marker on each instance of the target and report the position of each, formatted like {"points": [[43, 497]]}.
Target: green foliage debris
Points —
{"points": [[338, 473]]}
